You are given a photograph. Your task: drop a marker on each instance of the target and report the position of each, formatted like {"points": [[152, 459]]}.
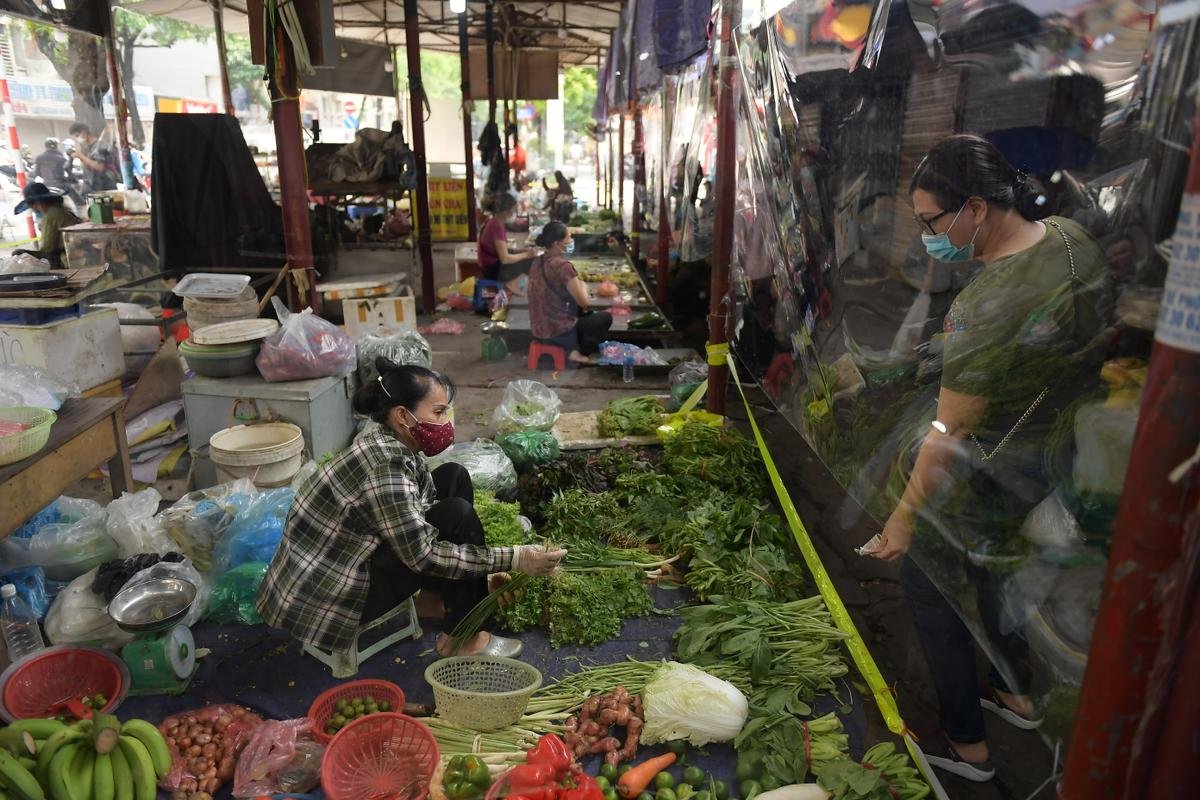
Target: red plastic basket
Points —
{"points": [[323, 708], [382, 756], [40, 685]]}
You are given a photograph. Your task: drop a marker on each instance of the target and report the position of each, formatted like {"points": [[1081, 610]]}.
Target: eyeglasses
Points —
{"points": [[927, 224]]}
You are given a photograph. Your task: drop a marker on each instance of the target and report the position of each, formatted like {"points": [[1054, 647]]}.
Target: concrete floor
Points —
{"points": [[869, 588]]}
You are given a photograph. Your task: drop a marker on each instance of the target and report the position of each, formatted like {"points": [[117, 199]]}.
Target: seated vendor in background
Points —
{"points": [[496, 262], [558, 299], [375, 525], [52, 216]]}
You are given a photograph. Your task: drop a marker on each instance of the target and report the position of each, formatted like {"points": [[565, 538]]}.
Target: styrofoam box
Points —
{"points": [[320, 407], [370, 314], [85, 351]]}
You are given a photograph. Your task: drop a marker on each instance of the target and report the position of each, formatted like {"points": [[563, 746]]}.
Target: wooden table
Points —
{"points": [[87, 433]]}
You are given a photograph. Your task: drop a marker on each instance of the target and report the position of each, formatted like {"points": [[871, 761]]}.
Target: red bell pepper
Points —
{"points": [[533, 781], [553, 751], [586, 788]]}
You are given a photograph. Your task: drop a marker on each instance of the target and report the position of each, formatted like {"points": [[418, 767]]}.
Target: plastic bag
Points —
{"points": [[22, 385], [444, 325], [199, 519], [1051, 524], [230, 728], [31, 587], [612, 354], [407, 348], [684, 379], [306, 471], [491, 470], [131, 522], [1103, 442], [79, 616], [183, 570], [304, 347], [527, 404], [273, 752], [65, 551], [255, 532], [529, 449], [232, 599]]}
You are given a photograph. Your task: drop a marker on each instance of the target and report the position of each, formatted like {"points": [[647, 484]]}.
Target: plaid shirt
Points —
{"points": [[374, 493]]}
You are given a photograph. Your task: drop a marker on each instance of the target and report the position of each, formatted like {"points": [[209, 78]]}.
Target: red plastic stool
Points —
{"points": [[538, 349]]}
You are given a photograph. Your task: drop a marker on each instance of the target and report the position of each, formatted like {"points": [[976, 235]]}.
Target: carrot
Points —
{"points": [[635, 780]]}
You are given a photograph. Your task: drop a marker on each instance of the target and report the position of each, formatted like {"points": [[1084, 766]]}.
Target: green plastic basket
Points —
{"points": [[483, 693], [19, 446]]}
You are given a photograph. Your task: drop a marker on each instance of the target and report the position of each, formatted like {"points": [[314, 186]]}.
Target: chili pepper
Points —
{"points": [[534, 781], [553, 751]]}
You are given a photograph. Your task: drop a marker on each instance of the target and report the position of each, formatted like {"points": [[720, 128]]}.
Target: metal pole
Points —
{"points": [[218, 9], [608, 175], [293, 185], [412, 47], [120, 107], [1134, 694], [621, 169], [14, 146], [726, 186], [489, 31], [596, 157], [464, 61], [639, 180], [662, 273]]}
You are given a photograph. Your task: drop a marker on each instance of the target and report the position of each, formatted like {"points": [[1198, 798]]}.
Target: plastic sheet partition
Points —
{"points": [[1033, 365]]}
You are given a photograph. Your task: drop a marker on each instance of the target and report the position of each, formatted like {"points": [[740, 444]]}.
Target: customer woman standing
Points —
{"points": [[495, 261], [375, 525], [558, 299], [1019, 343]]}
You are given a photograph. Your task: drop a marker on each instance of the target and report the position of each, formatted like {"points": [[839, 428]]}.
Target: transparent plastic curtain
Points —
{"points": [[696, 133], [863, 340], [652, 136]]}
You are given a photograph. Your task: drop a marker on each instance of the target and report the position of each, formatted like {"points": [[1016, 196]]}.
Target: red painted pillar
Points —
{"points": [[464, 61], [1136, 725], [14, 146], [726, 186], [412, 47], [293, 182]]}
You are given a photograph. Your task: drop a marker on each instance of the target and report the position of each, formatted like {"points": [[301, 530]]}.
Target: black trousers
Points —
{"points": [[392, 582], [949, 648], [508, 272], [588, 333]]}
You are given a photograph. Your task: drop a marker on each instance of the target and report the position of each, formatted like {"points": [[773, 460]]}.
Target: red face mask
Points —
{"points": [[432, 438]]}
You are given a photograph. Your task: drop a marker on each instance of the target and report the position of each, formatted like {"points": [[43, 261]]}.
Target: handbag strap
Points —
{"points": [[986, 456]]}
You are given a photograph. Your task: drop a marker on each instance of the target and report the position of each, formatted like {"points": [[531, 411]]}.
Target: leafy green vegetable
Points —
{"points": [[631, 416], [501, 527], [529, 448], [650, 321], [720, 456], [584, 608], [789, 749], [883, 774]]}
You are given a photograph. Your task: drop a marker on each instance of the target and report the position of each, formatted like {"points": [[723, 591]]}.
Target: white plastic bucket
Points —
{"points": [[268, 454]]}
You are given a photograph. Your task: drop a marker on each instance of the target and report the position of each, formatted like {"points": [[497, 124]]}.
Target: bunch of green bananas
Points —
{"points": [[93, 759]]}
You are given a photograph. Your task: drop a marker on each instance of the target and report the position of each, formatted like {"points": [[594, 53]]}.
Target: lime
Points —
{"points": [[603, 782], [339, 720], [769, 783], [694, 776], [610, 794], [609, 772], [750, 788], [677, 746], [683, 791], [369, 700], [645, 796], [385, 706], [746, 769], [341, 705], [664, 780], [665, 793], [721, 790], [701, 795]]}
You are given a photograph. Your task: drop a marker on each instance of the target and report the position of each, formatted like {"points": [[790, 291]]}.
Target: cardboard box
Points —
{"points": [[370, 314]]}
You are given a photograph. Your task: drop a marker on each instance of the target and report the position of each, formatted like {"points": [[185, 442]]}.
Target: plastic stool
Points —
{"points": [[344, 663], [479, 301], [538, 349]]}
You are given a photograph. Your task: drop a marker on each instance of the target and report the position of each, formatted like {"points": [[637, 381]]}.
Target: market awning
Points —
{"points": [[578, 30]]}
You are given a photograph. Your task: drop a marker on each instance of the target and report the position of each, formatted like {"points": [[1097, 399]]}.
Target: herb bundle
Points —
{"points": [[585, 607], [501, 526], [883, 774], [770, 742], [630, 416], [720, 456]]}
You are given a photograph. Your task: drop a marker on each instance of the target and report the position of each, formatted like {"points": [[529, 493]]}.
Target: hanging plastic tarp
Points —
{"points": [[646, 76], [867, 338], [681, 31]]}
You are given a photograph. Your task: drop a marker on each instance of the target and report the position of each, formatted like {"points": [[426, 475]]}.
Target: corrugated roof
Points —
{"points": [[580, 30]]}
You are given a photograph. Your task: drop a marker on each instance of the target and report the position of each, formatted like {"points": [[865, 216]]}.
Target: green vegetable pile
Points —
{"points": [[883, 774], [529, 448], [650, 321], [585, 607], [767, 741], [721, 457], [501, 528], [631, 416]]}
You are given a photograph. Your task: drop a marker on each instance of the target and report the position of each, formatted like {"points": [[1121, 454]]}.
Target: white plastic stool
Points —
{"points": [[344, 663]]}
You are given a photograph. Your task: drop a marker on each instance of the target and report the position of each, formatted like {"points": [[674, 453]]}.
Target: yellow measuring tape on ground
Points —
{"points": [[837, 609]]}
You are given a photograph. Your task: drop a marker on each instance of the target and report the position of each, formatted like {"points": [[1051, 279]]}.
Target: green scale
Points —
{"points": [[162, 660]]}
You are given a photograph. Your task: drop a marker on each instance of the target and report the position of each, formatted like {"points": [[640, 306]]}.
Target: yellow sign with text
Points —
{"points": [[448, 209]]}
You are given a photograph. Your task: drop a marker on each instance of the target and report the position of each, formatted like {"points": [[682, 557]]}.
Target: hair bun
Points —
{"points": [[384, 364]]}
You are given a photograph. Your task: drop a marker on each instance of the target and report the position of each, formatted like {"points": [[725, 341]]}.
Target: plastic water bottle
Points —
{"points": [[21, 633], [627, 369]]}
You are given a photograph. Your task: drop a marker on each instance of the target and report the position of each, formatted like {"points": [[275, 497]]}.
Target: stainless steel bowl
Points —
{"points": [[152, 605]]}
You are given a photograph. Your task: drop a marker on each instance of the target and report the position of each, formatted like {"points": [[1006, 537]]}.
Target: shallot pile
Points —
{"points": [[590, 732], [205, 745]]}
